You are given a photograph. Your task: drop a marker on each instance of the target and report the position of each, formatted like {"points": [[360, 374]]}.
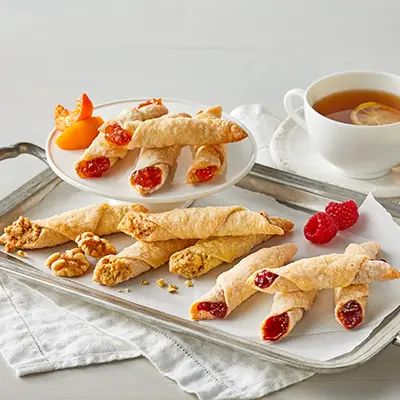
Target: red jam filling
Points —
{"points": [[219, 309], [351, 314], [117, 135], [275, 327], [156, 102], [148, 177], [264, 279], [93, 168], [205, 174]]}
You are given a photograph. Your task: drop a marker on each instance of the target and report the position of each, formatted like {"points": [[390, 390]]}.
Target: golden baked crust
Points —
{"points": [[101, 219], [213, 156], [135, 260], [356, 293], [164, 132], [327, 271], [231, 287], [209, 253], [197, 223], [129, 119]]}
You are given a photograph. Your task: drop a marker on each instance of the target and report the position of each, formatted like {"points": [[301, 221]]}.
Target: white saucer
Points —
{"points": [[292, 151], [115, 183]]}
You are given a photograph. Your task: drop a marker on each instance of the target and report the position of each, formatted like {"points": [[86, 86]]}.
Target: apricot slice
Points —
{"points": [[64, 118], [80, 135]]}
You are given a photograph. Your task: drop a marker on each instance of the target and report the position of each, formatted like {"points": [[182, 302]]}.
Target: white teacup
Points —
{"points": [[362, 152]]}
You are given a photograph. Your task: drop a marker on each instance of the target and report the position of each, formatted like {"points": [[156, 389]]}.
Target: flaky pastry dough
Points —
{"points": [[101, 219], [135, 260], [327, 271], [231, 288], [197, 223], [209, 253]]}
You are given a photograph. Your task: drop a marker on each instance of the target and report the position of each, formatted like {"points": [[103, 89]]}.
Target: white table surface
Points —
{"points": [[227, 52]]}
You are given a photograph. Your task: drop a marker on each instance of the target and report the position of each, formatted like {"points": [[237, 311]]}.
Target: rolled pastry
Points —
{"points": [[323, 272], [101, 219], [154, 165], [231, 289], [197, 223], [208, 161], [114, 138], [351, 301], [135, 260], [184, 131], [288, 308], [209, 253], [286, 311], [153, 168]]}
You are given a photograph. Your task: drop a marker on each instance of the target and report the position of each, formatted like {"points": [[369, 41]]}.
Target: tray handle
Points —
{"points": [[17, 149], [31, 192]]}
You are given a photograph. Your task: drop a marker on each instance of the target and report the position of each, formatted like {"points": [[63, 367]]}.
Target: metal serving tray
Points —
{"points": [[292, 190]]}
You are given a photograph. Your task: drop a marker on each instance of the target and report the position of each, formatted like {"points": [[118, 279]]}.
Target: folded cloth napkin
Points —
{"points": [[47, 330]]}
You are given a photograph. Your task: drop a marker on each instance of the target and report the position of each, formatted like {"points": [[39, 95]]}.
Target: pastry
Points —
{"points": [[286, 311], [114, 139], [153, 168], [154, 165], [135, 260], [351, 301], [196, 223], [186, 131], [101, 219], [208, 161], [231, 289], [288, 308], [323, 272], [209, 253]]}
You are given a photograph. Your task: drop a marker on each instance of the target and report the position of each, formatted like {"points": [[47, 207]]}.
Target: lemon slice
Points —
{"points": [[373, 113]]}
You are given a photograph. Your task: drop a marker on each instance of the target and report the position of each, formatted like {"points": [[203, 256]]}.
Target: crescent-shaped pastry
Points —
{"points": [[135, 260], [231, 289], [197, 223], [101, 219], [207, 254]]}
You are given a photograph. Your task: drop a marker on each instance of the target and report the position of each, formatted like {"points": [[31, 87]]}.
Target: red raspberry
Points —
{"points": [[345, 213], [321, 228]]}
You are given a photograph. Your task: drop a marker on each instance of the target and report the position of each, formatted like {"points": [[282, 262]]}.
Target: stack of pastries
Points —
{"points": [[160, 136], [196, 240]]}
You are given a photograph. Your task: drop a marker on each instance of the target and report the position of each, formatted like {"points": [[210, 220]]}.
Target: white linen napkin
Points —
{"points": [[47, 330]]}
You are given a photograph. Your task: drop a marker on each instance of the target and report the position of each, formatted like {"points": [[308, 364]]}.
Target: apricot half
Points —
{"points": [[80, 135]]}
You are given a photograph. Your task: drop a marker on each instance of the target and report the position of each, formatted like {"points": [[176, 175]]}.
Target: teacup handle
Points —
{"points": [[287, 102]]}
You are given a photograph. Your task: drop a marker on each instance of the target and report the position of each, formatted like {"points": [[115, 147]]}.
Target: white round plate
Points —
{"points": [[292, 151], [114, 184]]}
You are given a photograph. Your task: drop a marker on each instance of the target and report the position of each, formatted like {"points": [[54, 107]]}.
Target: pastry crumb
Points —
{"points": [[189, 283], [144, 283], [120, 291], [21, 253], [161, 282], [9, 248], [172, 288], [127, 290]]}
